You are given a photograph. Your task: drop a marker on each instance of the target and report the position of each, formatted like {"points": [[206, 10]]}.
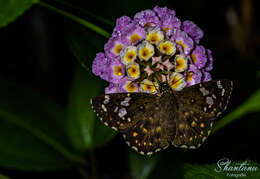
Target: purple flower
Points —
{"points": [[193, 75], [206, 76], [209, 64], [127, 85], [193, 30], [112, 88], [133, 34], [163, 11], [113, 47], [182, 39], [169, 23], [121, 23], [146, 18], [116, 70], [157, 47], [99, 66], [199, 57]]}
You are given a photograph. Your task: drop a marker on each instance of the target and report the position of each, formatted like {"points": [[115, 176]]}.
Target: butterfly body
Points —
{"points": [[151, 122]]}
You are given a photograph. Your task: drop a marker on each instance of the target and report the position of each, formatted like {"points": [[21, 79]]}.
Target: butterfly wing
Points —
{"points": [[198, 106], [135, 115]]}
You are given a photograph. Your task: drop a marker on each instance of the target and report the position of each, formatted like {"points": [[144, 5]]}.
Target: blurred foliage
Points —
{"points": [[11, 9], [85, 130], [3, 177], [249, 106], [31, 130], [141, 166]]}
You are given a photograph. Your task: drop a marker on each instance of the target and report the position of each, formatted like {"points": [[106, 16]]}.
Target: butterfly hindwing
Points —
{"points": [[199, 105], [147, 136], [191, 130]]}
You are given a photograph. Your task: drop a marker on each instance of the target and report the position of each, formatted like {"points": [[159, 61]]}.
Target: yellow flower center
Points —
{"points": [[153, 38], [181, 44], [144, 53], [118, 48], [167, 48], [118, 70], [131, 87], [189, 76], [165, 29], [194, 58], [175, 81], [130, 56], [148, 87], [179, 63], [135, 38], [133, 71]]}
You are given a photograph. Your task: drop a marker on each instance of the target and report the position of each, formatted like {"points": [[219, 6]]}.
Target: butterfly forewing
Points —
{"points": [[135, 116], [198, 106]]}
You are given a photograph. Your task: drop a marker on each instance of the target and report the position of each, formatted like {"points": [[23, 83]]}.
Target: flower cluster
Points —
{"points": [[153, 47]]}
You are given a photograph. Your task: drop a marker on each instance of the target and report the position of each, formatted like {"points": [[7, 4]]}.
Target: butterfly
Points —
{"points": [[151, 122]]}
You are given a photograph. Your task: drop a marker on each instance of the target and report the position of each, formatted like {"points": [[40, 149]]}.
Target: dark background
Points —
{"points": [[34, 52]]}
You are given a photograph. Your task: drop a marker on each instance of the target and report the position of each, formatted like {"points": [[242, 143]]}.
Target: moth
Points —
{"points": [[151, 122]]}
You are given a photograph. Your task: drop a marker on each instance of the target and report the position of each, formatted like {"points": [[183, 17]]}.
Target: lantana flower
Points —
{"points": [[155, 46]]}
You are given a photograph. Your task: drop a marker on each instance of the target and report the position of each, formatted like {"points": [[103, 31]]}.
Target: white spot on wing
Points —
{"points": [[222, 92], [157, 150], [106, 99], [104, 107], [209, 101], [184, 146], [124, 103], [115, 110], [122, 112], [114, 128], [204, 138], [209, 132], [135, 148], [204, 91], [219, 84]]}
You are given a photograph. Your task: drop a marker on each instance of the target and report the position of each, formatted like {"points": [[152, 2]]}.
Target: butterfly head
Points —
{"points": [[165, 88]]}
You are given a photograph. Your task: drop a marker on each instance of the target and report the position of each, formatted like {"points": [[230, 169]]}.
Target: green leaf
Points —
{"points": [[84, 129], [213, 171], [31, 135], [3, 177], [12, 9], [141, 166], [249, 106], [85, 12], [77, 19], [84, 44]]}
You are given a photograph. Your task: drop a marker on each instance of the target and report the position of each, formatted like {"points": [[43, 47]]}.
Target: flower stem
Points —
{"points": [[99, 18], [79, 20]]}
